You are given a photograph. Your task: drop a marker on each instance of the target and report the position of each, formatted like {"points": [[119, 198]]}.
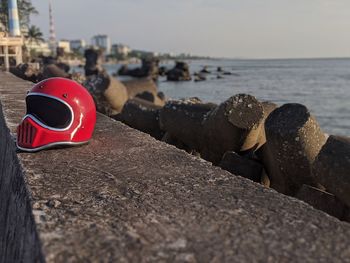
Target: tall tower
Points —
{"points": [[52, 40], [13, 19]]}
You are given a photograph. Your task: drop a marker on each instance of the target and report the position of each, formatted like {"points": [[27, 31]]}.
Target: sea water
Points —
{"points": [[323, 85]]}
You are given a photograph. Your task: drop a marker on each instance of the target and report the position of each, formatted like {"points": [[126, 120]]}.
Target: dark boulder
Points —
{"points": [[322, 200], [27, 72], [294, 139], [149, 68], [332, 167], [232, 126], [52, 70], [180, 72], [108, 93], [93, 62], [241, 165], [162, 71], [143, 116], [268, 108], [200, 77], [139, 86], [205, 70], [182, 120], [146, 95], [63, 66]]}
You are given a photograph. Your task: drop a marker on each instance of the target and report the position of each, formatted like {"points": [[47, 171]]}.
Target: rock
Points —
{"points": [[232, 126], [162, 71], [219, 69], [28, 72], [47, 60], [180, 72], [268, 108], [219, 77], [332, 167], [109, 94], [149, 68], [161, 96], [294, 139], [242, 166], [53, 70], [139, 86], [123, 71], [143, 116], [265, 180], [146, 95], [228, 73], [200, 77], [205, 70], [93, 62], [65, 67], [321, 200], [78, 77], [183, 121]]}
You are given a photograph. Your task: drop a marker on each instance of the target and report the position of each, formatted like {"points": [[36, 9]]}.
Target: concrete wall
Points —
{"points": [[19, 240], [126, 197]]}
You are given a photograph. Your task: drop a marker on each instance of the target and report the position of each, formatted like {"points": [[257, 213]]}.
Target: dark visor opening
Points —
{"points": [[50, 112]]}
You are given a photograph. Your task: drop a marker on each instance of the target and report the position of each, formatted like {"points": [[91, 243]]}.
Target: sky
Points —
{"points": [[217, 28]]}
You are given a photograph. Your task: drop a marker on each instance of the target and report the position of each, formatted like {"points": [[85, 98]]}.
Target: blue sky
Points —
{"points": [[221, 28]]}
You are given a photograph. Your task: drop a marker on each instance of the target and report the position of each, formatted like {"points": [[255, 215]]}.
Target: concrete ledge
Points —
{"points": [[19, 241], [127, 197]]}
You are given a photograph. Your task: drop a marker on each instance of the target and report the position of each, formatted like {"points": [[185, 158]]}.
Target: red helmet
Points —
{"points": [[59, 112]]}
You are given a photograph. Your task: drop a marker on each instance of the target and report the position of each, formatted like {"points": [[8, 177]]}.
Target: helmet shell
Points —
{"points": [[59, 112]]}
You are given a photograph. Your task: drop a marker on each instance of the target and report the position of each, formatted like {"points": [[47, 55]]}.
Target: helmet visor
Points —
{"points": [[50, 111]]}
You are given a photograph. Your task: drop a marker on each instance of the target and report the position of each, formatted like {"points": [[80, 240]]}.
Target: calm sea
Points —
{"points": [[323, 85]]}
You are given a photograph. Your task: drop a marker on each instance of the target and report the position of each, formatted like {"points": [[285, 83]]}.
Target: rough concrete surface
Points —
{"points": [[126, 197], [19, 240]]}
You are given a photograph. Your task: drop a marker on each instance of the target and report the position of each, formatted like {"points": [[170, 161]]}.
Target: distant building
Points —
{"points": [[120, 49], [38, 47], [103, 42], [65, 45], [78, 45]]}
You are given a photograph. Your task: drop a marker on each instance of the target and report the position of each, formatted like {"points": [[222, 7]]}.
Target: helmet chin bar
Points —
{"points": [[31, 127]]}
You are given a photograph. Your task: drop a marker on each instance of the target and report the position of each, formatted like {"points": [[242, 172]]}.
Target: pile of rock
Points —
{"points": [[30, 72], [181, 72], [279, 147], [149, 68]]}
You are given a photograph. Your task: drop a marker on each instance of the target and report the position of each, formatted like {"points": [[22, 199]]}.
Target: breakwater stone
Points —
{"points": [[143, 116], [126, 197], [322, 200], [139, 86], [268, 108], [294, 139], [232, 126], [243, 166], [182, 119], [108, 93], [332, 167]]}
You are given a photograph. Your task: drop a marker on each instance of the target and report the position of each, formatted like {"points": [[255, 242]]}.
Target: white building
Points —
{"points": [[65, 45], [120, 49], [103, 42], [78, 45], [38, 47]]}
